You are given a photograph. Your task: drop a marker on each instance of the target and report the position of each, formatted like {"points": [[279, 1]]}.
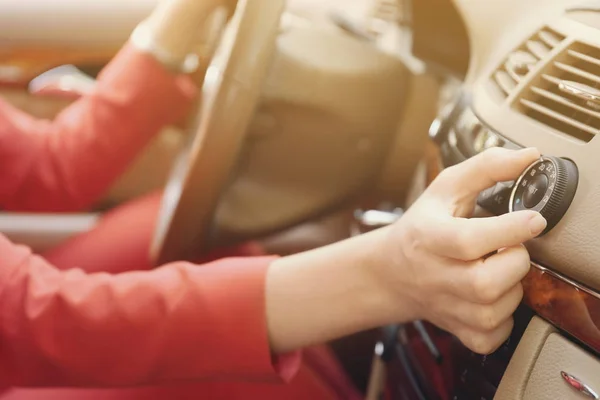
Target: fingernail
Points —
{"points": [[537, 224]]}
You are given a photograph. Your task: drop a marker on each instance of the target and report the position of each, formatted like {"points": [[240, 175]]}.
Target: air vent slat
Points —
{"points": [[564, 94], [512, 72], [551, 79], [549, 38], [537, 48], [576, 71], [584, 57], [504, 81], [553, 115], [522, 61], [561, 100]]}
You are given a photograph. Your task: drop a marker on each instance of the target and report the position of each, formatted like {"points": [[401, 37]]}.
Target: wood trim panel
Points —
{"points": [[569, 306]]}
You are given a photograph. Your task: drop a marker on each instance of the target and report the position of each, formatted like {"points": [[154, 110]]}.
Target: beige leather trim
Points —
{"points": [[560, 355], [519, 370]]}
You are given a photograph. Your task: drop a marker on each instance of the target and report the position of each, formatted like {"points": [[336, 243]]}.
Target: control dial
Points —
{"points": [[548, 187]]}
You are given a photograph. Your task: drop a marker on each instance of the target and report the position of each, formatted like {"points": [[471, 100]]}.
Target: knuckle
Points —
{"points": [[520, 260], [448, 180], [483, 286], [419, 229], [482, 344], [412, 239], [512, 300], [488, 319], [523, 257], [520, 253], [519, 292]]}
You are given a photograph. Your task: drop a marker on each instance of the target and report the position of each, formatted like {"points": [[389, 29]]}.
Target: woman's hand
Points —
{"points": [[442, 263], [178, 27], [434, 264]]}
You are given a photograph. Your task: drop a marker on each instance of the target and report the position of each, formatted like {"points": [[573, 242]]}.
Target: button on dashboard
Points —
{"points": [[535, 191], [496, 198]]}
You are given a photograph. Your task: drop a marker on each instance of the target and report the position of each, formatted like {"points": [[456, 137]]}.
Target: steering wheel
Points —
{"points": [[230, 94]]}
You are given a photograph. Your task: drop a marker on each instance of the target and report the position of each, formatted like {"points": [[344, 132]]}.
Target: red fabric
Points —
{"points": [[307, 385], [64, 328], [65, 164], [82, 327], [320, 375], [131, 226], [440, 376]]}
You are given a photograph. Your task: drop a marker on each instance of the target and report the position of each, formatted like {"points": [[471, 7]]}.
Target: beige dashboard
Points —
{"points": [[495, 26], [498, 28], [532, 81]]}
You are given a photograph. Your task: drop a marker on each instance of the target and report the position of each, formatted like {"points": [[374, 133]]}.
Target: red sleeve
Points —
{"points": [[177, 323], [66, 164]]}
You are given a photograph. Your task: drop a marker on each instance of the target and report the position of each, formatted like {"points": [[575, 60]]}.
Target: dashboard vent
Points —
{"points": [[524, 59], [566, 94]]}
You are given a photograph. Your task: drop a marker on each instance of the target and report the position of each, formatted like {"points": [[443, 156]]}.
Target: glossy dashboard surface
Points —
{"points": [[569, 306]]}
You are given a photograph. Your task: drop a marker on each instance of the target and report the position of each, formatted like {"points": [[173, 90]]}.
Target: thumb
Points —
{"points": [[469, 178]]}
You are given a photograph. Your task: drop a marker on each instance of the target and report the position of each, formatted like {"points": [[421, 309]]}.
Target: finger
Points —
{"points": [[486, 281], [471, 239], [490, 280], [478, 173], [485, 343], [486, 318]]}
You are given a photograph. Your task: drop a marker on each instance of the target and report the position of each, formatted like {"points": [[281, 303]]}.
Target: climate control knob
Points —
{"points": [[548, 187]]}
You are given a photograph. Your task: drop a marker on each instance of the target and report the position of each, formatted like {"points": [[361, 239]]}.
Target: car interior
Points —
{"points": [[324, 119]]}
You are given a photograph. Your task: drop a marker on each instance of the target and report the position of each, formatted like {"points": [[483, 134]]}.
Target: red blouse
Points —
{"points": [[69, 328]]}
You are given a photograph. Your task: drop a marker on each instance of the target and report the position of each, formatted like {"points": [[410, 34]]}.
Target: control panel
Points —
{"points": [[460, 134], [548, 187]]}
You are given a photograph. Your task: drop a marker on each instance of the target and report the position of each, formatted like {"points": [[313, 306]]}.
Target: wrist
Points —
{"points": [[331, 292], [386, 272]]}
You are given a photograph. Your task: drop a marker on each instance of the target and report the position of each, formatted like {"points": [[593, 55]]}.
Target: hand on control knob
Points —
{"points": [[433, 264], [548, 187], [441, 258]]}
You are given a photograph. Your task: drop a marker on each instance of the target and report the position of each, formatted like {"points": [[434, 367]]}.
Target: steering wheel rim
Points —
{"points": [[230, 94]]}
